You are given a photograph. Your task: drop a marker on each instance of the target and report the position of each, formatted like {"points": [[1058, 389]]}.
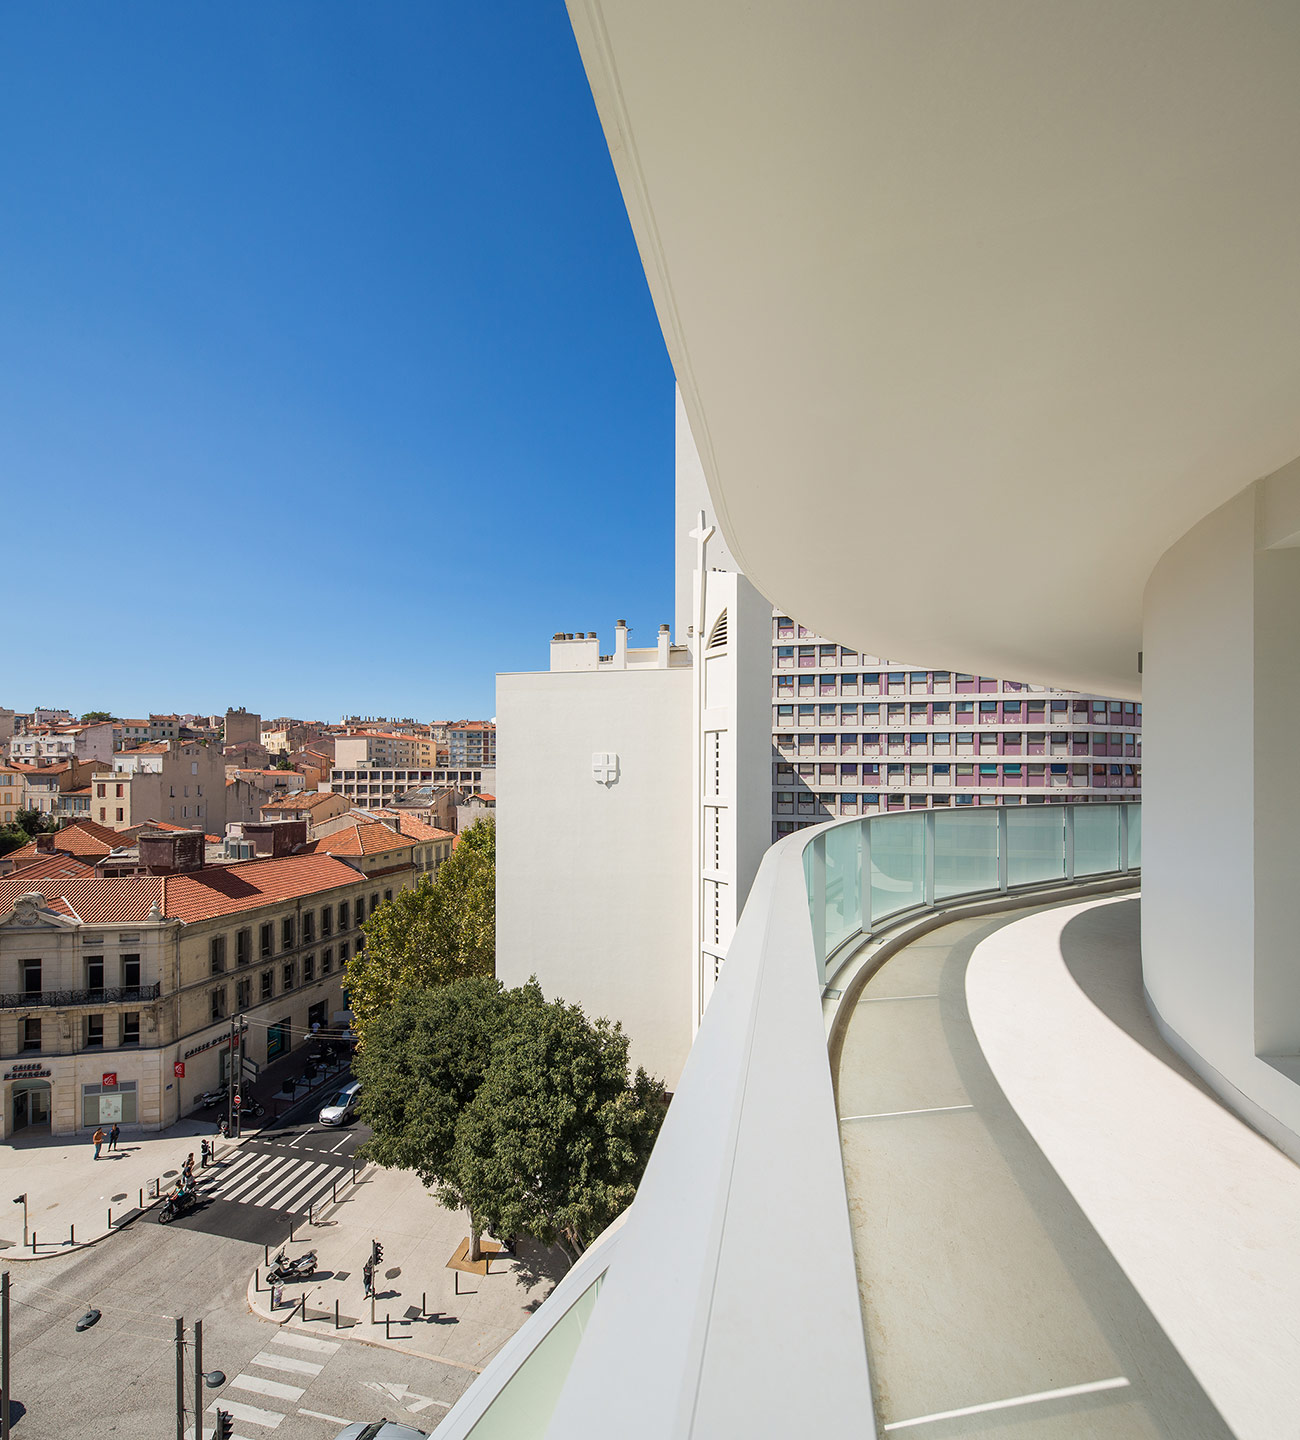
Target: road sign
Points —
{"points": [[239, 1100], [178, 1069], [109, 1079]]}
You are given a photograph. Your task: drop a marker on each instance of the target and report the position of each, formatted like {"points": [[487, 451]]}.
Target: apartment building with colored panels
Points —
{"points": [[856, 734]]}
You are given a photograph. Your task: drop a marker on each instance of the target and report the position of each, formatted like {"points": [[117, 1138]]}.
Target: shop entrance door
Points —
{"points": [[31, 1105]]}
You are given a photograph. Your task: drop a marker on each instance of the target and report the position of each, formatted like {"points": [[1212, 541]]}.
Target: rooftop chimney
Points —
{"points": [[171, 852]]}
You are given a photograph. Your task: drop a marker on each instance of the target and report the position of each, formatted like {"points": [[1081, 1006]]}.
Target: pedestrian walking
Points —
{"points": [[98, 1138], [112, 1136], [187, 1170]]}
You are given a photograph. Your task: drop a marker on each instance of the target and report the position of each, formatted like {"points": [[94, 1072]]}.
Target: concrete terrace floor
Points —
{"points": [[991, 1305]]}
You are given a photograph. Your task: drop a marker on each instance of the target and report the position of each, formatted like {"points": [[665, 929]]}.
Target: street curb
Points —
{"points": [[259, 1309]]}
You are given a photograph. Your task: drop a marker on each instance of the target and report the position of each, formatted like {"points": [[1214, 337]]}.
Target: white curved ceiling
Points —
{"points": [[976, 306]]}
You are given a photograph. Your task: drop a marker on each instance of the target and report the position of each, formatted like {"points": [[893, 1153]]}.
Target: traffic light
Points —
{"points": [[225, 1426], [376, 1253]]}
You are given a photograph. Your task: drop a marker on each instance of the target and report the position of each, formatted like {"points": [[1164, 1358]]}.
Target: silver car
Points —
{"points": [[343, 1107]]}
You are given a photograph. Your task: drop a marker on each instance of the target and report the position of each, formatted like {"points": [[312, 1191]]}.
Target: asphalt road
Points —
{"points": [[119, 1377]]}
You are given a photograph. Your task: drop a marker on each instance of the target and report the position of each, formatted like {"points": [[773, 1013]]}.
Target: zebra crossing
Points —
{"points": [[248, 1394], [275, 1180]]}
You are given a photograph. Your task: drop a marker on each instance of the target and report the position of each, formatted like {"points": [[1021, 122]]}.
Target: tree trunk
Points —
{"points": [[475, 1240]]}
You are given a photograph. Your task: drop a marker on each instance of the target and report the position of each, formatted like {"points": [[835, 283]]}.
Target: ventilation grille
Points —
{"points": [[718, 635]]}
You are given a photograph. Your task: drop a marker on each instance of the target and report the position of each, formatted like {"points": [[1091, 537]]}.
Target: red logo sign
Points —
{"points": [[178, 1069], [109, 1079]]}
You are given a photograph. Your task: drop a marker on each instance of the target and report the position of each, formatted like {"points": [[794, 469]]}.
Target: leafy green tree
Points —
{"points": [[556, 1138], [33, 822], [442, 930], [283, 763], [424, 1059], [91, 716], [12, 838]]}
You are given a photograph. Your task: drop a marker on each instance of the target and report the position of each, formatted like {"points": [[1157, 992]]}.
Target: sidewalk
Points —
{"points": [[466, 1318], [70, 1194]]}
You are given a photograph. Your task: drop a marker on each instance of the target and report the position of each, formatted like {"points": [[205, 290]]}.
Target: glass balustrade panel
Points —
{"points": [[1134, 836], [897, 863], [843, 870], [965, 852], [1035, 844], [1096, 839]]}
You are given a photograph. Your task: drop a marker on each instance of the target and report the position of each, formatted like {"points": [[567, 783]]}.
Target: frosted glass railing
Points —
{"points": [[862, 872]]}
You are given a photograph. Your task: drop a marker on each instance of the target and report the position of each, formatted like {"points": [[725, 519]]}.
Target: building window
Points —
{"points": [[243, 993], [327, 920], [374, 902], [287, 977], [286, 933], [243, 946], [343, 954], [217, 954], [94, 972], [120, 813], [94, 1032], [131, 1027], [267, 985], [309, 927], [264, 938], [102, 1107], [130, 970], [326, 960], [219, 1003], [31, 1034], [388, 895], [308, 969]]}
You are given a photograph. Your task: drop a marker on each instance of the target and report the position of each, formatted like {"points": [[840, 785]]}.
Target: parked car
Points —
{"points": [[343, 1107], [381, 1430]]}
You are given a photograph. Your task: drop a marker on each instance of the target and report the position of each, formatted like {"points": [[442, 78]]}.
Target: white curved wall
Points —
{"points": [[1221, 791]]}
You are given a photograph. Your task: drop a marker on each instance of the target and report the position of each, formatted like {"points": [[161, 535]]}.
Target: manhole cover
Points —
{"points": [[342, 1274], [392, 1274], [122, 1196], [167, 1174]]}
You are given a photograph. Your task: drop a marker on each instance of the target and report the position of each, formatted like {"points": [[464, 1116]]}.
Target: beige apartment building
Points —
{"points": [[177, 780], [313, 806], [12, 788], [117, 993]]}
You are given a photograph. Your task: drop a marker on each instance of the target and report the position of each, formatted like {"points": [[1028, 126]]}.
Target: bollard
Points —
{"points": [[423, 1297], [72, 1234], [33, 1242], [257, 1283], [372, 1309], [334, 1192], [303, 1303], [387, 1332], [292, 1223], [141, 1197], [336, 1312], [110, 1217], [266, 1254]]}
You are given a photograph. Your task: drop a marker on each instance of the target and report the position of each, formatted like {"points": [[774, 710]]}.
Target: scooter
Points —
{"points": [[179, 1202], [283, 1269]]}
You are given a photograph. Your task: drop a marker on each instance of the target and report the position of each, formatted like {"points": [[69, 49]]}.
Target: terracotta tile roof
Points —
{"points": [[485, 796], [135, 831], [53, 867], [154, 747], [360, 839], [83, 837], [34, 767], [412, 828], [300, 800], [201, 895]]}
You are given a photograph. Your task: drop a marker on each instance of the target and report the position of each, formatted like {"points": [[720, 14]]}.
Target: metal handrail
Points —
{"points": [[110, 995]]}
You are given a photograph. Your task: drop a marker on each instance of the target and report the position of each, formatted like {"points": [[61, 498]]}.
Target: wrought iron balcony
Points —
{"points": [[109, 995]]}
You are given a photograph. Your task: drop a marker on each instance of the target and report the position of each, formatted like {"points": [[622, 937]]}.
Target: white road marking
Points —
{"points": [[334, 1150], [273, 1388], [293, 1144], [318, 1415], [287, 1363], [308, 1181], [306, 1342], [899, 1114], [256, 1177], [250, 1413], [398, 1391], [425, 1402], [1119, 1382]]}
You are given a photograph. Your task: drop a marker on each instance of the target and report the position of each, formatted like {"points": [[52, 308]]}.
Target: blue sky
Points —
{"points": [[329, 379]]}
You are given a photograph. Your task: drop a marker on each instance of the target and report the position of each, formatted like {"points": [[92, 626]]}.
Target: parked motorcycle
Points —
{"points": [[282, 1269], [209, 1098], [176, 1204]]}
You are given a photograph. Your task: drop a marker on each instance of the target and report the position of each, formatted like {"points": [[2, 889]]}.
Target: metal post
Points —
{"points": [[232, 1080], [334, 1192], [388, 1335], [4, 1355], [424, 1295], [141, 1197], [33, 1242], [180, 1379], [927, 855], [1001, 813], [336, 1312], [864, 859], [110, 1217], [24, 1218], [372, 1309], [198, 1380], [1069, 841], [72, 1234]]}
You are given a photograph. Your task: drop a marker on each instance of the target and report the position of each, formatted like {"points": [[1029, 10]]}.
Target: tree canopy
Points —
{"points": [[92, 716], [515, 1108], [442, 930]]}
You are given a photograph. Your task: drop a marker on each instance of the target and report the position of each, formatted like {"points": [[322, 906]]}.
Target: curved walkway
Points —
{"points": [[991, 1306]]}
